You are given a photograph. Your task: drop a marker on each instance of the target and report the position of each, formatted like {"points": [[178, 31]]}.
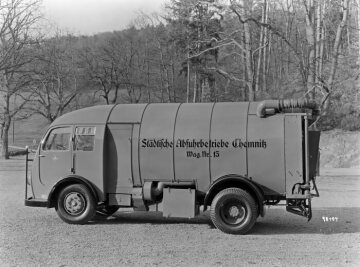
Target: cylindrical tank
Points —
{"points": [[199, 143], [192, 142]]}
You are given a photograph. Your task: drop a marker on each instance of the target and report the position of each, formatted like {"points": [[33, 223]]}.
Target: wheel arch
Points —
{"points": [[233, 180], [69, 180]]}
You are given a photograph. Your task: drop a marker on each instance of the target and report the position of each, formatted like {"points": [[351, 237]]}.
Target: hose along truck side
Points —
{"points": [[230, 158]]}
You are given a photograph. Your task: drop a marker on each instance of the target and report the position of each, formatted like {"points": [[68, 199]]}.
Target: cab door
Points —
{"points": [[88, 155], [55, 156]]}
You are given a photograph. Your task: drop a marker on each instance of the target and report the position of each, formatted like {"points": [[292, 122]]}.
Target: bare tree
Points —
{"points": [[238, 7], [56, 76], [17, 21], [310, 7], [335, 51], [262, 49], [358, 27], [104, 67]]}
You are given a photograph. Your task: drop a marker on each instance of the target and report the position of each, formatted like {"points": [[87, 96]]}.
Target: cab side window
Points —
{"points": [[84, 138], [58, 139]]}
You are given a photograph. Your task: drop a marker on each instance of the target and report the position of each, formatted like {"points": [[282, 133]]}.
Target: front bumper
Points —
{"points": [[33, 202]]}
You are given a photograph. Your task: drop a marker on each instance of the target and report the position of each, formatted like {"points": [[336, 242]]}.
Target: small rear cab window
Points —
{"points": [[84, 138]]}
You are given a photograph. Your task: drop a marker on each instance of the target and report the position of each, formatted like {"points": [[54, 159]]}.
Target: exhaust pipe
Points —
{"points": [[284, 104]]}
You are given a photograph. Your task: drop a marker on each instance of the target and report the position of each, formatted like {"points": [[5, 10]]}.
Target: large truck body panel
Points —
{"points": [[294, 150], [266, 163], [157, 125], [229, 123], [192, 123]]}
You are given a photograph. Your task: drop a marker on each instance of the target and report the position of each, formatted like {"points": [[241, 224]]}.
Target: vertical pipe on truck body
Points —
{"points": [[246, 139], [306, 151], [211, 122], [174, 142], [139, 162], [26, 170]]}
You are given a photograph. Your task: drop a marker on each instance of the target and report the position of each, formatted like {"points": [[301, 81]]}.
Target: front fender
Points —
{"points": [[72, 179]]}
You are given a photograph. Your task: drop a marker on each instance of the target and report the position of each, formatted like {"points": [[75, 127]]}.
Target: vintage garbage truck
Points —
{"points": [[235, 158]]}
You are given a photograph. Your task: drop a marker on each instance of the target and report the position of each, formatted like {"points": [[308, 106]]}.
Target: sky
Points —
{"points": [[94, 16]]}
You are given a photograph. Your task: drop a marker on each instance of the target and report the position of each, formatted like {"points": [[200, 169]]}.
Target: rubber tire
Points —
{"points": [[247, 202], [90, 205], [107, 211]]}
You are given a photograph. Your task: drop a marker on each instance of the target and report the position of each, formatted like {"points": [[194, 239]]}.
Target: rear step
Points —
{"points": [[300, 207]]}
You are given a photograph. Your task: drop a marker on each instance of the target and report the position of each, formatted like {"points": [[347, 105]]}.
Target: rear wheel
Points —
{"points": [[233, 211], [76, 204]]}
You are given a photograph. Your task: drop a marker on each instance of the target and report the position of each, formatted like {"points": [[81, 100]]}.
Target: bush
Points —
{"points": [[351, 123], [346, 117]]}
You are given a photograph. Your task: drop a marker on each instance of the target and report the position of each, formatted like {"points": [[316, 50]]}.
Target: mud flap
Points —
{"points": [[314, 188], [300, 207]]}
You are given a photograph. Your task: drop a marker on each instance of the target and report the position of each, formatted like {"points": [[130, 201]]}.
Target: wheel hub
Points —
{"points": [[233, 213], [74, 203]]}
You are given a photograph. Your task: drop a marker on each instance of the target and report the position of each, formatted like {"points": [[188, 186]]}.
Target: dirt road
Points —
{"points": [[37, 237]]}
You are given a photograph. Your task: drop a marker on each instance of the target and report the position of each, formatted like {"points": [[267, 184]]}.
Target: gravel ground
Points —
{"points": [[37, 237]]}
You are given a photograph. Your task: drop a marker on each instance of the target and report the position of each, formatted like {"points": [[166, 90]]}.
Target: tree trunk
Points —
{"points": [[195, 86], [106, 97], [348, 39], [318, 39], [242, 93], [5, 137], [167, 83], [262, 49], [249, 65], [321, 55], [335, 52], [173, 81], [188, 80], [310, 37], [267, 63], [116, 91], [288, 36], [205, 89], [358, 22], [248, 53], [265, 51], [147, 72]]}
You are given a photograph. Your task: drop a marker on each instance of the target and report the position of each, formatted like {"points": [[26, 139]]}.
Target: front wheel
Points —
{"points": [[233, 211], [76, 204]]}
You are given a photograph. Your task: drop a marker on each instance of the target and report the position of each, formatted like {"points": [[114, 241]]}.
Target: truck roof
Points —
{"points": [[132, 113], [119, 113], [89, 115]]}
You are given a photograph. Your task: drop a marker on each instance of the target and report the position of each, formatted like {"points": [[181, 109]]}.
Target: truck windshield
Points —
{"points": [[58, 139]]}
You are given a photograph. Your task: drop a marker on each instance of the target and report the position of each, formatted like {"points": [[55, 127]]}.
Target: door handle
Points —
{"points": [[41, 156]]}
